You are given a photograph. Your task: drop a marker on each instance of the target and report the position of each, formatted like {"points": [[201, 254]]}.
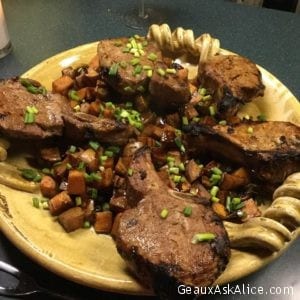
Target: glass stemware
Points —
{"points": [[143, 16]]}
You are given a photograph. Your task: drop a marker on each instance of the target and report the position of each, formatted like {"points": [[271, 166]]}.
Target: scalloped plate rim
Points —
{"points": [[36, 253]]}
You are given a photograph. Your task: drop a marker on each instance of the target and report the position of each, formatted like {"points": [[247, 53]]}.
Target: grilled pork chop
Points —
{"points": [[159, 249], [232, 80], [54, 117], [270, 150], [81, 126], [14, 98], [130, 74]]}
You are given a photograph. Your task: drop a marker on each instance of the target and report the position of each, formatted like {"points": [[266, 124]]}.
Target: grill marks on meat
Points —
{"points": [[54, 118], [159, 251], [233, 80], [168, 91], [82, 126], [111, 52], [271, 152], [14, 99]]}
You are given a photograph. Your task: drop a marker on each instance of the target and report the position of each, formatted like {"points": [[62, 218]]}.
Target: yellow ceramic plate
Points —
{"points": [[91, 259]]}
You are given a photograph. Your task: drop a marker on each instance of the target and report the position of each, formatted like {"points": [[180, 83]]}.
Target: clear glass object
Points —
{"points": [[143, 16], [5, 44]]}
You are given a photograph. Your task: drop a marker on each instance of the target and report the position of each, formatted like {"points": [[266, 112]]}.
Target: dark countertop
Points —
{"points": [[40, 29]]}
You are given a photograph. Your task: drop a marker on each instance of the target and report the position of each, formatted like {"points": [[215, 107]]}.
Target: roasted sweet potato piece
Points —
{"points": [[72, 219], [250, 210], [90, 159], [107, 178], [103, 222], [220, 210], [192, 170], [62, 84], [60, 203], [48, 187], [118, 203], [76, 183], [235, 180]]}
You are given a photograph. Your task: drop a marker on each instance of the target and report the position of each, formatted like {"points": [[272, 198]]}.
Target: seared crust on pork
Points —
{"points": [[233, 80], [14, 98], [270, 150], [160, 250]]}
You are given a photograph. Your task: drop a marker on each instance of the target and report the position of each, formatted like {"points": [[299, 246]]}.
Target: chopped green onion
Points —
{"points": [[108, 153], [137, 70], [146, 67], [179, 144], [181, 167], [103, 158], [113, 70], [174, 170], [176, 178], [94, 145], [217, 171], [134, 61], [236, 200], [203, 237], [207, 98], [152, 56], [170, 159], [185, 120], [250, 130], [81, 166], [36, 202], [78, 201], [239, 206], [29, 118], [171, 71], [72, 149], [31, 109], [128, 89], [72, 94], [214, 191], [212, 110], [130, 172], [187, 211], [223, 122], [164, 213], [161, 72], [30, 174], [215, 199], [202, 91], [215, 178], [133, 43], [228, 203], [149, 73]]}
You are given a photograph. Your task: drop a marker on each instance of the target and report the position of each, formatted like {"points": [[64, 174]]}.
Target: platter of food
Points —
{"points": [[111, 140]]}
